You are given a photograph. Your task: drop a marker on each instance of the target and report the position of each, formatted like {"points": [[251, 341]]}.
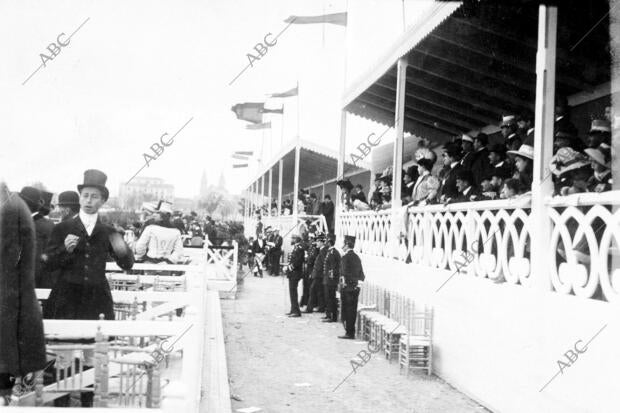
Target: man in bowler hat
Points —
{"points": [[68, 204], [331, 276], [351, 273]]}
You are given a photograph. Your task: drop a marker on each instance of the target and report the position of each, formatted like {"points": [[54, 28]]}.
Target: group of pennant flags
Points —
{"points": [[253, 111]]}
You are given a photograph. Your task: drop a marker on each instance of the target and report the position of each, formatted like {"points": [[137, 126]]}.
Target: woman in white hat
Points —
{"points": [[600, 180], [161, 241], [524, 158]]}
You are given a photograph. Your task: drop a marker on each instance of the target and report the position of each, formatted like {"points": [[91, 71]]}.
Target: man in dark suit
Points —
{"points": [[68, 204], [327, 210], [79, 247], [351, 273], [451, 157], [43, 230], [465, 184], [317, 292], [480, 166], [276, 252], [311, 252], [331, 277], [294, 274], [22, 343], [258, 253]]}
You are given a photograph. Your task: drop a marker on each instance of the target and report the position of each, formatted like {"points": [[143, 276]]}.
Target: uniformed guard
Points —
{"points": [[311, 252], [317, 292], [351, 273], [294, 274], [331, 277]]}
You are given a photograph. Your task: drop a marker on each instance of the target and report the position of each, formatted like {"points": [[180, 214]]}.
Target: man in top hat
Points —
{"points": [[351, 273], [317, 291], [68, 204], [275, 252], [79, 248], [331, 277], [294, 274], [43, 230]]}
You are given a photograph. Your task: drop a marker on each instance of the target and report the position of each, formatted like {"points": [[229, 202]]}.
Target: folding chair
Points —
{"points": [[416, 347]]}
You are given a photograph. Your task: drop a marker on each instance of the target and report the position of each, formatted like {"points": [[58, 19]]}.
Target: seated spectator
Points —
{"points": [[406, 193], [498, 177], [487, 190], [509, 129], [600, 180], [525, 127], [562, 117], [564, 139], [358, 193], [161, 241], [510, 189], [572, 170], [375, 198], [465, 186], [480, 164], [524, 167], [467, 151], [498, 160], [426, 187]]}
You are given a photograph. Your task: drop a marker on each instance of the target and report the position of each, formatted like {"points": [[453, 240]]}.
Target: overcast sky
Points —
{"points": [[138, 69]]}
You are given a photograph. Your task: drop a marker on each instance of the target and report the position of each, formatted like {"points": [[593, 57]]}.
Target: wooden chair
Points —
{"points": [[416, 347], [393, 330]]}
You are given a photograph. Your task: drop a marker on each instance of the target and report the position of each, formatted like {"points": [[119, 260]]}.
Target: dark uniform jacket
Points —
{"points": [[22, 344], [351, 269], [331, 268], [313, 252], [319, 262], [277, 240], [43, 228], [86, 264], [296, 262]]}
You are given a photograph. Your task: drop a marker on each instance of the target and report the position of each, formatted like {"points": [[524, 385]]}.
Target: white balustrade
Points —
{"points": [[491, 239]]}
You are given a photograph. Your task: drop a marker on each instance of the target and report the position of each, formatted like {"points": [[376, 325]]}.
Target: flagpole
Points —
{"points": [[298, 136], [282, 128]]}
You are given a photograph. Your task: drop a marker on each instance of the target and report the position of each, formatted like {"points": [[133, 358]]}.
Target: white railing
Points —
{"points": [[491, 239]]}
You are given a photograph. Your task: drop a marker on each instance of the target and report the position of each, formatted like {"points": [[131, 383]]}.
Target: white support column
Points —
{"points": [[262, 191], [296, 184], [280, 166], [340, 169], [322, 191], [398, 226], [543, 145], [399, 123], [270, 185]]}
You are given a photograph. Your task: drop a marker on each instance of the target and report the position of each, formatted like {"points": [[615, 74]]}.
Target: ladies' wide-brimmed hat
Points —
{"points": [[94, 178], [525, 151], [600, 125], [567, 159], [598, 156]]}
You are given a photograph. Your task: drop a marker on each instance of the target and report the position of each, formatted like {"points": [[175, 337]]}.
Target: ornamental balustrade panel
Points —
{"points": [[584, 257], [371, 229]]}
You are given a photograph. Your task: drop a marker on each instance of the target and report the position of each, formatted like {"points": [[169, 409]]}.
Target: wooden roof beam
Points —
{"points": [[465, 124], [507, 99], [461, 63], [421, 93], [473, 47], [435, 125]]}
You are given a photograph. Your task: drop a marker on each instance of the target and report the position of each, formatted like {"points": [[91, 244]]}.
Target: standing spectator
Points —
{"points": [[68, 204], [317, 292], [509, 129], [79, 247], [327, 211], [294, 274], [426, 187], [43, 230], [160, 242], [497, 158], [447, 176], [22, 343], [331, 278], [258, 254], [311, 253], [467, 153], [358, 194], [259, 226], [276, 252], [480, 165], [352, 272], [406, 193], [314, 204]]}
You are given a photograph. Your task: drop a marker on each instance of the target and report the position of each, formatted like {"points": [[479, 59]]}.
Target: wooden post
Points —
{"points": [[269, 191], [543, 145], [280, 166], [296, 184]]}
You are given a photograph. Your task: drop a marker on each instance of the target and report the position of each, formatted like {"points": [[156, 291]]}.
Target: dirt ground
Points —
{"points": [[281, 364]]}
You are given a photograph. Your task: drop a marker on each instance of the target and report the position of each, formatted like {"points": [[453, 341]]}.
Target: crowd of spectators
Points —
{"points": [[472, 169]]}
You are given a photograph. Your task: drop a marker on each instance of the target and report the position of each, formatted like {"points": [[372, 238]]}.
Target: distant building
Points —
{"points": [[141, 189], [184, 204]]}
